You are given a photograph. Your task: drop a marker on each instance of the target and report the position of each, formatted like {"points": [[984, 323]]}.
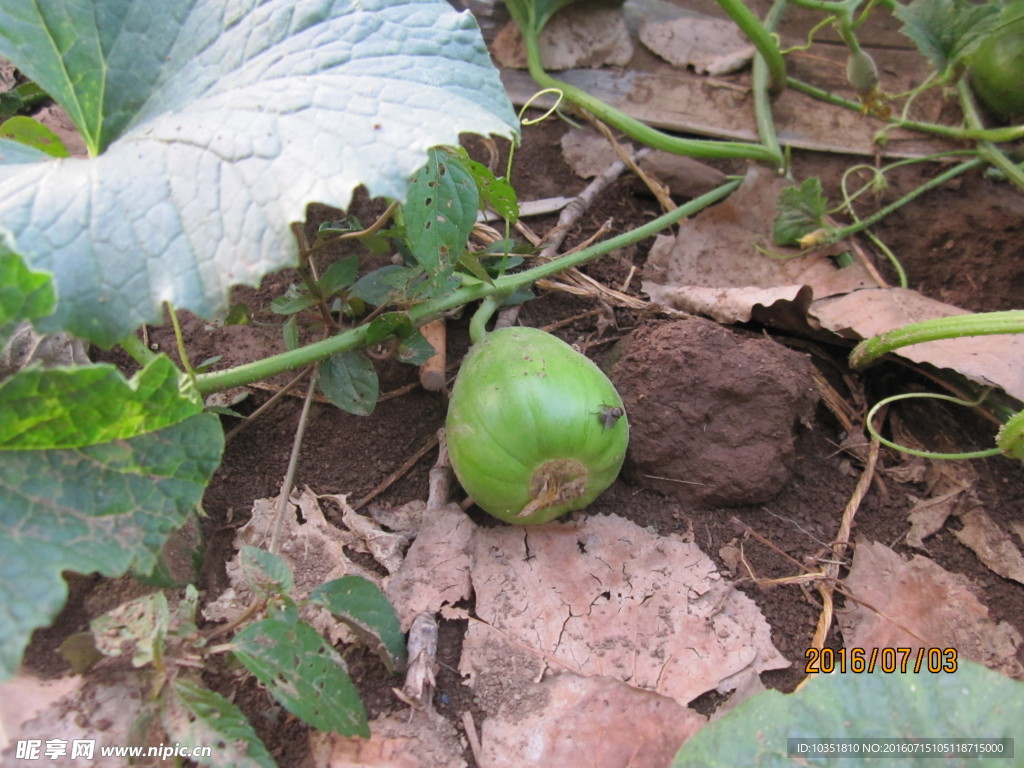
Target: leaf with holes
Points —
{"points": [[266, 574], [440, 212], [496, 192], [195, 716], [304, 673]]}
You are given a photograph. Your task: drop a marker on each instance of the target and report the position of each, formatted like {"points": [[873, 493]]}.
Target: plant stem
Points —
{"points": [[638, 130], [1008, 133], [354, 338], [953, 327], [760, 35], [179, 337], [138, 351], [768, 76], [869, 423], [881, 213], [478, 323], [990, 151], [293, 462]]}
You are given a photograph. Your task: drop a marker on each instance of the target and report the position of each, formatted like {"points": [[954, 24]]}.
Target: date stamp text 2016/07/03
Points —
{"points": [[867, 660]]}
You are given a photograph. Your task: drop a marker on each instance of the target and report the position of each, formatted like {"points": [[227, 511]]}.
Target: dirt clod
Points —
{"points": [[713, 413]]}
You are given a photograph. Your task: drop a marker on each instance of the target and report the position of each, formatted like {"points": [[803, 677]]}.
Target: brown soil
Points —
{"points": [[788, 481]]}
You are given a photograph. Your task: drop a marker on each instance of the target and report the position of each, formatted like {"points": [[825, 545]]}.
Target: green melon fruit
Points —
{"points": [[535, 429]]}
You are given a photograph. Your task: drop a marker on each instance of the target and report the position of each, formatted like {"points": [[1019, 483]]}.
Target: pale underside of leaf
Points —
{"points": [[235, 133]]}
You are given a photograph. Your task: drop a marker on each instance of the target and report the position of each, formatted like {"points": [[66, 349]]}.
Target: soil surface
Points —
{"points": [[732, 436]]}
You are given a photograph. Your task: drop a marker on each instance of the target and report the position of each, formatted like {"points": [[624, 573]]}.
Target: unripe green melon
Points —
{"points": [[534, 428]]}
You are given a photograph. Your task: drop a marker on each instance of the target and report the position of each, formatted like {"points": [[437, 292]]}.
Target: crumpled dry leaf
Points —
{"points": [[102, 707], [436, 567], [712, 266], [387, 548], [988, 360], [992, 545], [922, 605], [420, 739], [710, 46], [581, 35], [587, 722], [23, 697], [603, 596], [313, 549]]}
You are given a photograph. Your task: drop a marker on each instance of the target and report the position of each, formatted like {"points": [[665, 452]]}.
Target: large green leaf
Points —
{"points": [[946, 31], [213, 124], [76, 407], [107, 507], [973, 702]]}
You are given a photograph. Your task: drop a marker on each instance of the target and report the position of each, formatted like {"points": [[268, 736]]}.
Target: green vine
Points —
{"points": [[930, 454], [471, 290]]}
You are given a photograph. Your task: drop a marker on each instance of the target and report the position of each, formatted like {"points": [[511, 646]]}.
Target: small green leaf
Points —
{"points": [[139, 626], [290, 331], [238, 314], [496, 193], [195, 716], [266, 574], [24, 293], [415, 349], [362, 606], [946, 31], [349, 380], [392, 284], [972, 701], [78, 407], [29, 131], [21, 98], [341, 274], [470, 262], [801, 210], [293, 302], [304, 673], [440, 212], [388, 324]]}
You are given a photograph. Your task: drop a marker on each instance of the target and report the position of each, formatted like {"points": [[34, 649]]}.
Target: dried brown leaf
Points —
{"points": [[918, 604], [605, 597], [587, 722], [578, 36], [420, 739], [988, 360], [992, 545], [313, 549], [713, 266], [436, 567], [710, 46]]}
